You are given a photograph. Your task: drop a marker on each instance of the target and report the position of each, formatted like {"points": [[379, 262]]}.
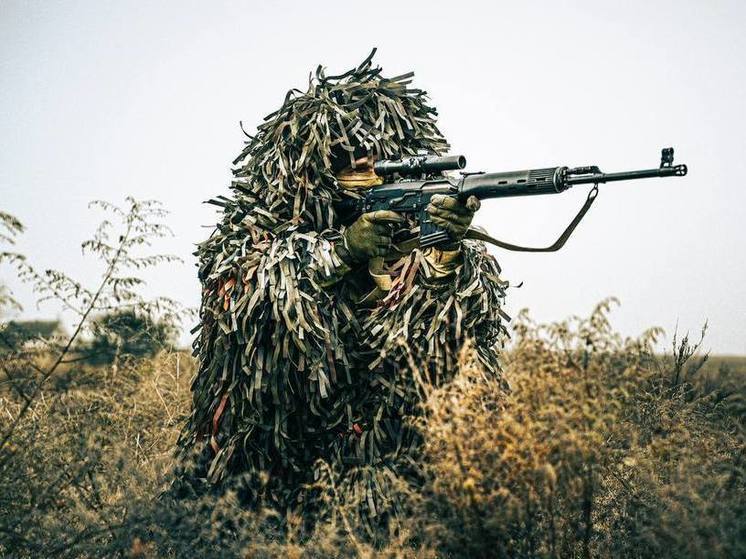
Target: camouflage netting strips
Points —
{"points": [[290, 372]]}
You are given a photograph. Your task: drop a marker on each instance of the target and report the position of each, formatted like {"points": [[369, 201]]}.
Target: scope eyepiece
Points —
{"points": [[419, 164]]}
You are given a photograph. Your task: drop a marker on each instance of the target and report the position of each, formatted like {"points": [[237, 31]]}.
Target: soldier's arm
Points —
{"points": [[340, 264], [456, 217], [453, 215], [368, 237], [444, 263]]}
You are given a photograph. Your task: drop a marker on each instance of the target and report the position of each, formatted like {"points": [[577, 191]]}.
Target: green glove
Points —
{"points": [[453, 216], [370, 236]]}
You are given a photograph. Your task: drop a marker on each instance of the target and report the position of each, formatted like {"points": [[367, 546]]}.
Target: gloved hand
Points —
{"points": [[453, 216], [370, 235]]}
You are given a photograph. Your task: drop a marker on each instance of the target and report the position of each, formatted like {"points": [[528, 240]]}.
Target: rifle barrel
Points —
{"points": [[598, 178]]}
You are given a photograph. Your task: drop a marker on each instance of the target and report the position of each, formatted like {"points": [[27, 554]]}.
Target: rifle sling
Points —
{"points": [[558, 244]]}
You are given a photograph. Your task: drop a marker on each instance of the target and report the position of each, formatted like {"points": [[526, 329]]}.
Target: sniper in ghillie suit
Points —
{"points": [[339, 289]]}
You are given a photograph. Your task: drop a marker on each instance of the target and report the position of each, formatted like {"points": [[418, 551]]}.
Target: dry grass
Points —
{"points": [[597, 451]]}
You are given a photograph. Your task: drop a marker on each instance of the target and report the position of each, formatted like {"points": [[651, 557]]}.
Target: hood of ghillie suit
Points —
{"points": [[290, 163]]}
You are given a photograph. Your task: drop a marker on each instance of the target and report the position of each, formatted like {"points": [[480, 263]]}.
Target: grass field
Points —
{"points": [[598, 451]]}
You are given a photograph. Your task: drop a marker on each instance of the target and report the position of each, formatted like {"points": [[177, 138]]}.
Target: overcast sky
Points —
{"points": [[107, 99]]}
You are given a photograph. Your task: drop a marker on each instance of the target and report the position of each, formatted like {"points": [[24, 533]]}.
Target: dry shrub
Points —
{"points": [[598, 450], [93, 443]]}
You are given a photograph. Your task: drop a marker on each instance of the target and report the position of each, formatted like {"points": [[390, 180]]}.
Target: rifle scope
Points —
{"points": [[419, 164]]}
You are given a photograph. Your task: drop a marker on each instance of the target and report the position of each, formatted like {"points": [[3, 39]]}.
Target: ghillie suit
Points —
{"points": [[294, 364]]}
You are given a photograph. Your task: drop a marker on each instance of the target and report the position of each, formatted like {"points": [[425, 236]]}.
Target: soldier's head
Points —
{"points": [[354, 171], [360, 175], [323, 141]]}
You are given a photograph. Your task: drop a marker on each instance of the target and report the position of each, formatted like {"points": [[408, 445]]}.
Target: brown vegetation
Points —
{"points": [[597, 451]]}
